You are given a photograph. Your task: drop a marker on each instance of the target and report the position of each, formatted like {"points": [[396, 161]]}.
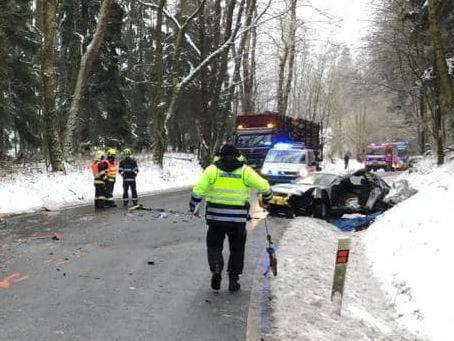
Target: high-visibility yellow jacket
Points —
{"points": [[228, 193]]}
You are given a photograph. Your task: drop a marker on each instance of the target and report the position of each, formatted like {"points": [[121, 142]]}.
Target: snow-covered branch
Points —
{"points": [[175, 21]]}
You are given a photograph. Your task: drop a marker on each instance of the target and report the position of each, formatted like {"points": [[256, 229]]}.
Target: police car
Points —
{"points": [[286, 162]]}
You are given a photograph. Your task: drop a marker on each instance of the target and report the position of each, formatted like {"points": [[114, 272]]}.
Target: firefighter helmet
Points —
{"points": [[100, 155], [127, 152], [111, 152]]}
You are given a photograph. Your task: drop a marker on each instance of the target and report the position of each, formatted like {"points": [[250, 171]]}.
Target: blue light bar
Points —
{"points": [[283, 146]]}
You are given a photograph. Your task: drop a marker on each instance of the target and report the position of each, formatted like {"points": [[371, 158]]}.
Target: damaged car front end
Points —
{"points": [[331, 195]]}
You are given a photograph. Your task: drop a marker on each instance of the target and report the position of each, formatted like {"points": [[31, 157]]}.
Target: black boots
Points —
{"points": [[216, 281], [233, 283]]}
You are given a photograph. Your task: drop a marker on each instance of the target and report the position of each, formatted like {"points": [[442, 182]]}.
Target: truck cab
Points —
{"points": [[381, 156], [256, 134], [286, 162]]}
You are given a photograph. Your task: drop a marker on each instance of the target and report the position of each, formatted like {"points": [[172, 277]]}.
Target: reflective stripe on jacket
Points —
{"points": [[227, 193], [98, 168], [128, 169], [111, 170]]}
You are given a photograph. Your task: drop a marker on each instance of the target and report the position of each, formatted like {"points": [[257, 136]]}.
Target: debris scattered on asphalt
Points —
{"points": [[132, 288], [150, 262], [56, 236]]}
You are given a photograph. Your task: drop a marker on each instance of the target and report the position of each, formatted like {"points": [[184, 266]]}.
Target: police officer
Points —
{"points": [[111, 174], [98, 168], [128, 170], [226, 186]]}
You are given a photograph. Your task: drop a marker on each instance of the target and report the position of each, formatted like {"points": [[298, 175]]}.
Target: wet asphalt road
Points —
{"points": [[115, 275]]}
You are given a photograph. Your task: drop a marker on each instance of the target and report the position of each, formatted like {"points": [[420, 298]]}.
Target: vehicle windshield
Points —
{"points": [[286, 156], [319, 179], [253, 140], [376, 151]]}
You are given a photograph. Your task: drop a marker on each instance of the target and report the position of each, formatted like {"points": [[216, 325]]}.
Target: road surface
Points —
{"points": [[115, 275]]}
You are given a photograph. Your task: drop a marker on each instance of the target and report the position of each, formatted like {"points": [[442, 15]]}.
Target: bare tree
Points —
{"points": [[49, 26], [86, 64]]}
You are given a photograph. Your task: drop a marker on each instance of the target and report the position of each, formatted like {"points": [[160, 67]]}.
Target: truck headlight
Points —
{"points": [[264, 170], [303, 172]]}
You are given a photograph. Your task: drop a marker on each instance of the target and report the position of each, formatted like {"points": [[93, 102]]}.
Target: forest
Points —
{"points": [[158, 75]]}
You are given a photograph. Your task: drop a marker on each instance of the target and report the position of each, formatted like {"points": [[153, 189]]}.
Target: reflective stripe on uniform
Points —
{"points": [[99, 182], [111, 179], [129, 180], [227, 210], [228, 219]]}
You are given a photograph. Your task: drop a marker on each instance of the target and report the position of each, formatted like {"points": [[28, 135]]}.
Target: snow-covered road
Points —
{"points": [[302, 309]]}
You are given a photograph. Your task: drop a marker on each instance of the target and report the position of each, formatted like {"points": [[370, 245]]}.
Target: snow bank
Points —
{"points": [[38, 189], [302, 308], [410, 248]]}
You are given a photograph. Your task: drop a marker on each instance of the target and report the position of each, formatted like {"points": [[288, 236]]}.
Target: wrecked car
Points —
{"points": [[331, 195]]}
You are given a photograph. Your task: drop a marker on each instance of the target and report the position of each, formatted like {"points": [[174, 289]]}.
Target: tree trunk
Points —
{"points": [[49, 84], [248, 59], [158, 133], [443, 88], [86, 65]]}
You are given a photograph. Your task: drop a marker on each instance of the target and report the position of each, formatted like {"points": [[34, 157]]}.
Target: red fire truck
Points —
{"points": [[383, 155]]}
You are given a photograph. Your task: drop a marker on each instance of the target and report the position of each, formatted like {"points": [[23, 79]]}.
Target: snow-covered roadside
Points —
{"points": [[301, 293], [37, 189], [410, 248]]}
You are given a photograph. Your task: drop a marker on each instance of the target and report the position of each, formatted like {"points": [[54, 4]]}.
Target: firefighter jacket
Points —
{"points": [[128, 169], [226, 187], [99, 168], [111, 172]]}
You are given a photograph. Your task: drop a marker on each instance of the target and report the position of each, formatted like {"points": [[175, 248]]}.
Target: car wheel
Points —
{"points": [[320, 208], [272, 210]]}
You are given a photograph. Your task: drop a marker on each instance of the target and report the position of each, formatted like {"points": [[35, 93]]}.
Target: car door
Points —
{"points": [[361, 187]]}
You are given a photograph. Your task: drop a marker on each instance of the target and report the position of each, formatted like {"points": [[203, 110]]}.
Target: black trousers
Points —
{"points": [[236, 233], [100, 195], [109, 193], [126, 186]]}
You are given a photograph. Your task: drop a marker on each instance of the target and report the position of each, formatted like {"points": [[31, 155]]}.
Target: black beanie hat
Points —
{"points": [[228, 149]]}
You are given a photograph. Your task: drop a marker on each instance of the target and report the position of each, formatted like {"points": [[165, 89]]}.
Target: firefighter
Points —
{"points": [[226, 186], [128, 170], [98, 168], [111, 174]]}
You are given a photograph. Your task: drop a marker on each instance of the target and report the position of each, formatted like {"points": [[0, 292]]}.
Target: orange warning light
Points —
{"points": [[342, 256], [270, 125], [240, 126]]}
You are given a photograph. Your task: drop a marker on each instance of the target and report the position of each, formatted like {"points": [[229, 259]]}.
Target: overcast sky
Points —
{"points": [[351, 23]]}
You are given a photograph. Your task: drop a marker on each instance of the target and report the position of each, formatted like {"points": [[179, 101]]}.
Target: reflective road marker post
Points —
{"points": [[343, 252]]}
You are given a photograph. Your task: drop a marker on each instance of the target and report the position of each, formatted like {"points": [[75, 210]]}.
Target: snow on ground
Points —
{"points": [[302, 309], [37, 189], [410, 248]]}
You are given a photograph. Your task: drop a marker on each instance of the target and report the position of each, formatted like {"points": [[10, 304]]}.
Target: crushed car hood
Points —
{"points": [[292, 188]]}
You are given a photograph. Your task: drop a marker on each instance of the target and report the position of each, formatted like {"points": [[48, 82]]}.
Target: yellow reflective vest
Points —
{"points": [[228, 193]]}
